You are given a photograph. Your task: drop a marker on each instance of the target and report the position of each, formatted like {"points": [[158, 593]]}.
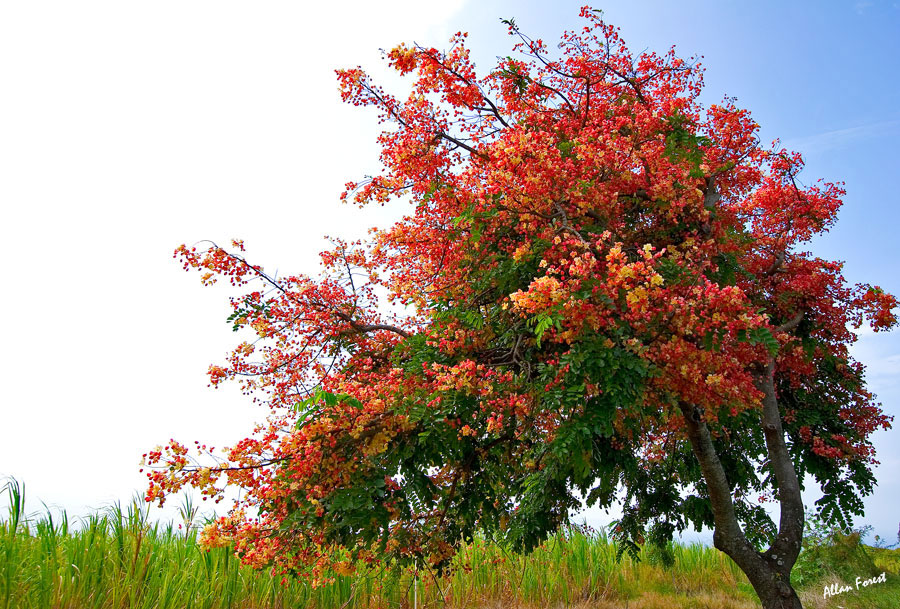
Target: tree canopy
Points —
{"points": [[600, 291]]}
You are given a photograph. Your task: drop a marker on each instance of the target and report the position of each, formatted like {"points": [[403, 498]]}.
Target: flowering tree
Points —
{"points": [[599, 292]]}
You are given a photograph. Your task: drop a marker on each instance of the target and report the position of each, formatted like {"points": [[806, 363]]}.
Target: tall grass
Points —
{"points": [[118, 558]]}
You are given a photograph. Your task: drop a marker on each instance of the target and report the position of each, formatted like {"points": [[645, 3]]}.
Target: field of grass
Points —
{"points": [[118, 559]]}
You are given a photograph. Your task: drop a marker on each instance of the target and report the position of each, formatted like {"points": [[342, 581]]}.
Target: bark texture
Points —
{"points": [[768, 571]]}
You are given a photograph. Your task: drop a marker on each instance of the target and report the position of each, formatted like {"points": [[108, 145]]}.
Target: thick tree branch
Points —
{"points": [[786, 548], [769, 573], [776, 264], [790, 324], [363, 328], [728, 535], [710, 197]]}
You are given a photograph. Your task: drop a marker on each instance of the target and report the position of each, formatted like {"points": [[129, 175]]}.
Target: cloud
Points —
{"points": [[886, 370], [841, 138]]}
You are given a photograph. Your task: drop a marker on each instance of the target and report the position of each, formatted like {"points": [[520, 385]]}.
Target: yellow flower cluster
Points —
{"points": [[377, 445], [543, 293]]}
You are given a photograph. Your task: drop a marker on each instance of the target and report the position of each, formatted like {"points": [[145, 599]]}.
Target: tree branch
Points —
{"points": [[790, 324], [786, 547], [362, 328]]}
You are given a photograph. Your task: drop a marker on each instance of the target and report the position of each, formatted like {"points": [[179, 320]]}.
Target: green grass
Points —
{"points": [[118, 559]]}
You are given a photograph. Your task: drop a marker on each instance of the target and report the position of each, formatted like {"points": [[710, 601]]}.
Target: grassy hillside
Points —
{"points": [[117, 559]]}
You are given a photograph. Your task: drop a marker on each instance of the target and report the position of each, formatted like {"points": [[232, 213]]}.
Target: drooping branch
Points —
{"points": [[360, 327]]}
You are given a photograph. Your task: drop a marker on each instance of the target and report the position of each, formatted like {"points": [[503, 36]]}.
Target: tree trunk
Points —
{"points": [[769, 572], [773, 589]]}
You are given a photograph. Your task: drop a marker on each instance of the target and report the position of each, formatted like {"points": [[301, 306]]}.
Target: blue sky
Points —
{"points": [[127, 130]]}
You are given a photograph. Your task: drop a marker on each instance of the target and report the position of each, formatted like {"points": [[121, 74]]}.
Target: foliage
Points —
{"points": [[829, 550], [886, 559], [592, 262]]}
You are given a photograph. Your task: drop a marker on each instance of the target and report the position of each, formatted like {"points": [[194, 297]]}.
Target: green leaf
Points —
{"points": [[764, 337]]}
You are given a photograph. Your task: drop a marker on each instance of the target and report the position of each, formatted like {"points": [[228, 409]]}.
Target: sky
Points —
{"points": [[128, 128]]}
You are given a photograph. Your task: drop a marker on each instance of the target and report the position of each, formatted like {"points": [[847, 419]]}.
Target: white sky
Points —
{"points": [[126, 129]]}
